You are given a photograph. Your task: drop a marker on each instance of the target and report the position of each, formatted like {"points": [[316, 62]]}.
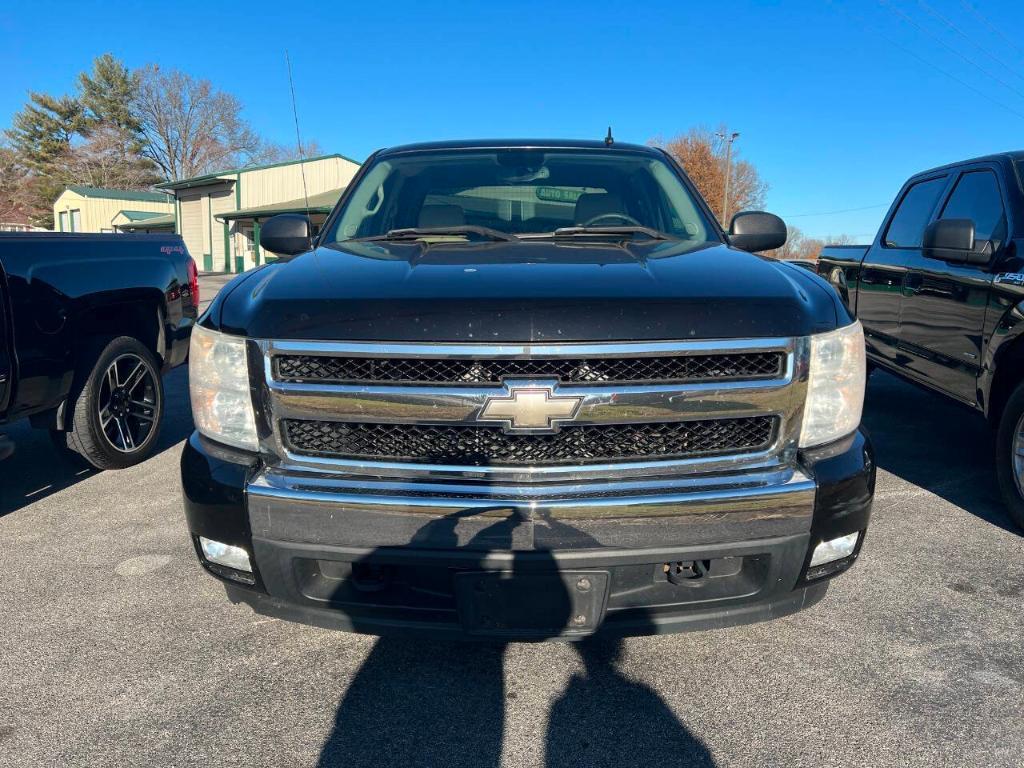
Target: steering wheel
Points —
{"points": [[620, 216]]}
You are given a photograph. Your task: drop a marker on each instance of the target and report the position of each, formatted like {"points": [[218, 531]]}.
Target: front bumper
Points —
{"points": [[707, 552]]}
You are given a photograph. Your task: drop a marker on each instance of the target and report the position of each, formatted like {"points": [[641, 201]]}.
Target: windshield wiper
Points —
{"points": [[418, 233], [653, 234]]}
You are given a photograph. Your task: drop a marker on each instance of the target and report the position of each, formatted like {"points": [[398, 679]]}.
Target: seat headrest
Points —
{"points": [[441, 216], [592, 204]]}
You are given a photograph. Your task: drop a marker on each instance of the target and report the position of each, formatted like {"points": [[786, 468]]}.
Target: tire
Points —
{"points": [[1010, 465], [116, 410]]}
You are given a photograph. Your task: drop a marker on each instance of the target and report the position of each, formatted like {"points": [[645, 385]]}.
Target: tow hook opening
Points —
{"points": [[370, 577], [686, 571]]}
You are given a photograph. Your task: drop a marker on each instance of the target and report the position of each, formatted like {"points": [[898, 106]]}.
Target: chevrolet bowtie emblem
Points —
{"points": [[530, 408]]}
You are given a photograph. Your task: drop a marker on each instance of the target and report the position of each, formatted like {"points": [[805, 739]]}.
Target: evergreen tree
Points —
{"points": [[107, 94], [112, 154], [41, 137], [42, 131]]}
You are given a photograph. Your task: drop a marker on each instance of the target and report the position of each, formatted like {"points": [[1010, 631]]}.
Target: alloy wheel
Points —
{"points": [[128, 402]]}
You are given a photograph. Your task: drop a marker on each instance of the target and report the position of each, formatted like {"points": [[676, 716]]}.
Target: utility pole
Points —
{"points": [[728, 139]]}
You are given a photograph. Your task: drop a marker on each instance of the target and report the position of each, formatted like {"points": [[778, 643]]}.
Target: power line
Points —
{"points": [[889, 41], [984, 49], [950, 48], [981, 17], [842, 210]]}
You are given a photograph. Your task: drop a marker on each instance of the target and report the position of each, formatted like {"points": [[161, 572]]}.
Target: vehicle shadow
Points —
{"points": [[935, 444], [429, 703], [37, 470]]}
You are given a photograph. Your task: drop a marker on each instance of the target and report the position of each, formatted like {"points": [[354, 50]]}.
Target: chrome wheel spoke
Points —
{"points": [[125, 433], [141, 410], [134, 378]]}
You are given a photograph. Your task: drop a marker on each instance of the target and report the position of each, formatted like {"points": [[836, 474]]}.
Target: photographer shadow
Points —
{"points": [[443, 703]]}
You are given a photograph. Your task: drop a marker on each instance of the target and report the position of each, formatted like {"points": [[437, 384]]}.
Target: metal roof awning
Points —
{"points": [[322, 202], [229, 175], [198, 181], [158, 221], [139, 215], [120, 194]]}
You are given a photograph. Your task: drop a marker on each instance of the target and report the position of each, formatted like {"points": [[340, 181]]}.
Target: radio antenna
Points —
{"points": [[298, 136]]}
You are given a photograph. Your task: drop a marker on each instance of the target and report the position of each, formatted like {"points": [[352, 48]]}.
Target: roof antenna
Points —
{"points": [[608, 140], [298, 138]]}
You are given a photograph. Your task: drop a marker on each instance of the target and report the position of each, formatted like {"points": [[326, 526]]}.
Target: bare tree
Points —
{"points": [[702, 155], [102, 161], [14, 193], [282, 153], [190, 128], [840, 240], [798, 246]]}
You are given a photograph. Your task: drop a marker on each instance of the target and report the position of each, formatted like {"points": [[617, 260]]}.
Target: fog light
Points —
{"points": [[227, 555], [834, 549]]}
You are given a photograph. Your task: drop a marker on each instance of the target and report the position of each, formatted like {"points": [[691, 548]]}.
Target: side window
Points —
{"points": [[907, 226], [977, 197]]}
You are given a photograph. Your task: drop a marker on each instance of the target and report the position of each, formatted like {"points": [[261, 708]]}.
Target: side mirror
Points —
{"points": [[286, 234], [953, 240], [757, 231]]}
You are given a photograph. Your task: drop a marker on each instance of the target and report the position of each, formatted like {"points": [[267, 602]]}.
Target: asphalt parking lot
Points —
{"points": [[116, 649]]}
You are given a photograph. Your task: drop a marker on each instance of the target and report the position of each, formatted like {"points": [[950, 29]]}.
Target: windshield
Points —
{"points": [[522, 193]]}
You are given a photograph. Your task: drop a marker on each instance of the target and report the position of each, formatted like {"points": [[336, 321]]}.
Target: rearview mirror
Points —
{"points": [[757, 231], [286, 234], [953, 240]]}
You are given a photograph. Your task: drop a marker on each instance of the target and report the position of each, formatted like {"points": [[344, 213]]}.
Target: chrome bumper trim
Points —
{"points": [[782, 493]]}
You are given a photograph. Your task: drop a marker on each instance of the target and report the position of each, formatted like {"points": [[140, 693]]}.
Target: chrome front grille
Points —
{"points": [[467, 371], [488, 446], [412, 410]]}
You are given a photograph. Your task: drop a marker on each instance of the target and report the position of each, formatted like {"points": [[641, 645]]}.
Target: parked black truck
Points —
{"points": [[526, 390], [940, 293], [87, 325]]}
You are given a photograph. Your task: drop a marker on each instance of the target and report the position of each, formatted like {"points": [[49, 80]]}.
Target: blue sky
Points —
{"points": [[837, 102]]}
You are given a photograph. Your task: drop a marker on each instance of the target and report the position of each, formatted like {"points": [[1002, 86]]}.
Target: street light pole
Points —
{"points": [[728, 139]]}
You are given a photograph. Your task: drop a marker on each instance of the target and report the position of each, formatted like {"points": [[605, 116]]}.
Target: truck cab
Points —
{"points": [[939, 290]]}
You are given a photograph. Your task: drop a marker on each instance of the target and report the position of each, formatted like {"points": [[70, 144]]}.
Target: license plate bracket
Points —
{"points": [[531, 604]]}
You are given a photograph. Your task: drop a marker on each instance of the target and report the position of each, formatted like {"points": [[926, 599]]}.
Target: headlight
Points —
{"points": [[835, 385], [218, 378]]}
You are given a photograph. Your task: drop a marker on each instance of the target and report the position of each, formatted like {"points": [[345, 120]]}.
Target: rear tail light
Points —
{"points": [[193, 282]]}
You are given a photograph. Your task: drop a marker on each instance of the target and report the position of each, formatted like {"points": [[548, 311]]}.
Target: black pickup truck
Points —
{"points": [[526, 390], [87, 325], [940, 293]]}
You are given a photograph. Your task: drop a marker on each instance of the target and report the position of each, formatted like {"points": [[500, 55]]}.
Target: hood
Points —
{"points": [[528, 291]]}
